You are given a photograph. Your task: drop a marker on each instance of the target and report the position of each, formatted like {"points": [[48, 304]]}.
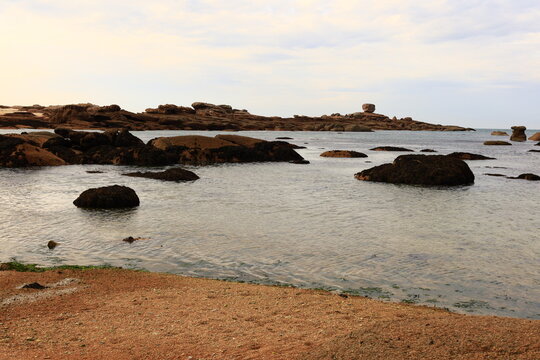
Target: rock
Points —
{"points": [[537, 144], [489, 174], [174, 174], [531, 177], [369, 108], [109, 108], [356, 128], [52, 244], [170, 109], [94, 171], [343, 154], [518, 133], [19, 151], [300, 162], [131, 239], [34, 285], [426, 170], [499, 133], [189, 142], [428, 151], [538, 151], [496, 143], [535, 137], [108, 197], [240, 140], [284, 138], [123, 138], [390, 148], [469, 156]]}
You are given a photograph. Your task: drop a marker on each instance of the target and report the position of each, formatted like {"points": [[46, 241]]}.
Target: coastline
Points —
{"points": [[118, 313]]}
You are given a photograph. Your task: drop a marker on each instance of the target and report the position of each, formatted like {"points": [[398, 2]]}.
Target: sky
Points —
{"points": [[465, 62]]}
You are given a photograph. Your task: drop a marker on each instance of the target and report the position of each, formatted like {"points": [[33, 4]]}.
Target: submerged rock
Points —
{"points": [[469, 156], [108, 197], [343, 154], [427, 170], [490, 142], [499, 133], [518, 133], [174, 174], [390, 148]]}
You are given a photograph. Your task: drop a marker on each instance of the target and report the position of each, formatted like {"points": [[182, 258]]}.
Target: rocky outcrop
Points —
{"points": [[426, 170], [535, 137], [518, 133], [202, 116], [530, 177], [119, 147], [499, 133], [174, 174], [496, 143], [109, 197], [390, 148], [469, 156], [369, 108], [343, 154]]}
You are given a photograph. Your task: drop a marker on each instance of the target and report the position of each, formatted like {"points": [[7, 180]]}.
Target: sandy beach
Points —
{"points": [[124, 314]]}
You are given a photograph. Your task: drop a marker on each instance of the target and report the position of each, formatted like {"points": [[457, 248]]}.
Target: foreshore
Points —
{"points": [[126, 314]]}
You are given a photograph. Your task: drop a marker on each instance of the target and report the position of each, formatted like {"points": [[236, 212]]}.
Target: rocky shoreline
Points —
{"points": [[200, 116], [98, 313]]}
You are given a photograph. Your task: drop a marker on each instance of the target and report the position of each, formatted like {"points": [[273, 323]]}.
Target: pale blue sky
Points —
{"points": [[473, 62]]}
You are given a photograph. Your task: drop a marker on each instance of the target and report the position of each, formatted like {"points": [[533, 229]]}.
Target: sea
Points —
{"points": [[470, 249]]}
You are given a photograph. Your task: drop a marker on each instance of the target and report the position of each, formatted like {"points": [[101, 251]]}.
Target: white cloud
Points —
{"points": [[278, 57]]}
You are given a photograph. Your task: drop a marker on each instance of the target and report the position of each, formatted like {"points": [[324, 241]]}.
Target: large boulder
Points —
{"points": [[535, 137], [25, 150], [427, 170], [499, 133], [108, 197], [518, 133], [343, 154], [490, 142], [174, 174], [369, 108], [469, 156]]}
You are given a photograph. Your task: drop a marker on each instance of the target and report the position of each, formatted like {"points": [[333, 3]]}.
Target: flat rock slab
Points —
{"points": [[469, 156], [174, 174], [390, 148], [496, 143], [343, 154]]}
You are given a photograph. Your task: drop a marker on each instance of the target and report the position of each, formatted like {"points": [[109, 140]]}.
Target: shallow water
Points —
{"points": [[471, 249]]}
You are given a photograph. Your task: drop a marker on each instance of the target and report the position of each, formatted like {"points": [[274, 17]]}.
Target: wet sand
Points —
{"points": [[122, 314]]}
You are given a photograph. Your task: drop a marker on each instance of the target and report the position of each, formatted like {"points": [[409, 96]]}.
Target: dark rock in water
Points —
{"points": [[33, 285], [469, 156], [488, 174], [534, 150], [518, 133], [300, 162], [343, 154], [94, 172], [427, 170], [174, 174], [390, 148], [109, 197], [496, 143], [531, 177], [131, 239], [499, 133], [52, 244], [428, 150], [284, 138], [537, 144], [123, 138], [535, 137]]}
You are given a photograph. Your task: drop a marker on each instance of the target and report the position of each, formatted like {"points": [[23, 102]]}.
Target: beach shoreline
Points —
{"points": [[116, 313]]}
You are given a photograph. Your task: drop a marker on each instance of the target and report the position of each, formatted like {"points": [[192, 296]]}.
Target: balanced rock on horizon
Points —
{"points": [[369, 108], [518, 133]]}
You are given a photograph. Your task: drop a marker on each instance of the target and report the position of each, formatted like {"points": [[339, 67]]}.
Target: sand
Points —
{"points": [[122, 314]]}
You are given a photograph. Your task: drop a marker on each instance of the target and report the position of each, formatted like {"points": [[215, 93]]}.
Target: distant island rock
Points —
{"points": [[201, 116]]}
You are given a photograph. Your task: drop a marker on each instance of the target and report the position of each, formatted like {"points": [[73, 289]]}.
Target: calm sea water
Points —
{"points": [[471, 249]]}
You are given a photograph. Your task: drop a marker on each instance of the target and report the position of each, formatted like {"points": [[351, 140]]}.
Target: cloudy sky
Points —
{"points": [[464, 62]]}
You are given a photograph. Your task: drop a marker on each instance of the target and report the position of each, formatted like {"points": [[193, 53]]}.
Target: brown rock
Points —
{"points": [[356, 128], [496, 143], [240, 140], [427, 170], [469, 156], [190, 141], [499, 133], [52, 244], [529, 176], [518, 133], [369, 108], [108, 197], [174, 174], [535, 137], [428, 151], [343, 154], [390, 148]]}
